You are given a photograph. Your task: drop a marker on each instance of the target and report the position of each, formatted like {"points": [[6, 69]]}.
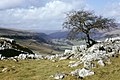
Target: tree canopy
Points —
{"points": [[86, 22]]}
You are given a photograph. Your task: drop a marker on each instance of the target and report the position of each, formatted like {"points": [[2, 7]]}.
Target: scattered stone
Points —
{"points": [[85, 72], [50, 57], [22, 56], [13, 66], [89, 65], [72, 62], [59, 76], [7, 39], [31, 56], [63, 58], [75, 64], [57, 66], [36, 56], [108, 61], [67, 52], [75, 73], [16, 60], [5, 70], [101, 63], [54, 61]]}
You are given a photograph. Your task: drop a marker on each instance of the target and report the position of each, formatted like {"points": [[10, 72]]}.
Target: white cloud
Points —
{"points": [[51, 10], [113, 11], [49, 16]]}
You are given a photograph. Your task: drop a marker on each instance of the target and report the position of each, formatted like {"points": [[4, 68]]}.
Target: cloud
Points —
{"points": [[113, 11], [49, 16], [9, 4], [4, 4]]}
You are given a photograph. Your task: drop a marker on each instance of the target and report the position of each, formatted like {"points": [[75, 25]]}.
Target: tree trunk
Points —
{"points": [[90, 41]]}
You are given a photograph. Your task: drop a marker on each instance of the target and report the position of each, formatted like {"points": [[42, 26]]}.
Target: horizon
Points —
{"points": [[38, 15]]}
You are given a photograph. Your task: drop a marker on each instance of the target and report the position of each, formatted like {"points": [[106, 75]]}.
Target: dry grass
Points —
{"points": [[32, 69], [42, 69]]}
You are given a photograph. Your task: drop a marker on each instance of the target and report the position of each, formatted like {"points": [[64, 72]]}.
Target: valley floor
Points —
{"points": [[43, 69]]}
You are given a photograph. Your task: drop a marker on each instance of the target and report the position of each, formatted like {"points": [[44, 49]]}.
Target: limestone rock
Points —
{"points": [[5, 70], [59, 76], [75, 64], [63, 58], [67, 52], [101, 63], [39, 56], [22, 56], [75, 73], [89, 64], [84, 72]]}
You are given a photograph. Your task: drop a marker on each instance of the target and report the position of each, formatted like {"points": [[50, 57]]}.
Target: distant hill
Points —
{"points": [[112, 33], [59, 35], [97, 34], [36, 41], [64, 34], [15, 34]]}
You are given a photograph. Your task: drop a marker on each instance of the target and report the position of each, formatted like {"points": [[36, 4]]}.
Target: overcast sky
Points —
{"points": [[50, 14]]}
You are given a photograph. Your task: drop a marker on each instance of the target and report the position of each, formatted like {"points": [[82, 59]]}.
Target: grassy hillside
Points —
{"points": [[43, 69], [37, 42], [23, 35], [39, 48]]}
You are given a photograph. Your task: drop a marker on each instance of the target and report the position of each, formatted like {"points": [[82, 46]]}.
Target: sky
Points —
{"points": [[50, 14]]}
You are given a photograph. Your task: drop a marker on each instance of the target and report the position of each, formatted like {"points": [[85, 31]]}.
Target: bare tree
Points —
{"points": [[86, 22]]}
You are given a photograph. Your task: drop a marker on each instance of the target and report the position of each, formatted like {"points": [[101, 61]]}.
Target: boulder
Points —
{"points": [[85, 72], [39, 56], [75, 64], [71, 62], [115, 39], [59, 76], [75, 73], [66, 57], [63, 58], [108, 40], [22, 56], [88, 64], [93, 48], [50, 57], [112, 39], [94, 56], [4, 70], [67, 52], [7, 39], [2, 58], [75, 48], [101, 63], [31, 56]]}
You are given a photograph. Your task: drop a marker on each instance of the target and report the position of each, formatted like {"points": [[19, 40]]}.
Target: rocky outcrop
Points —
{"points": [[99, 53], [9, 49], [7, 39]]}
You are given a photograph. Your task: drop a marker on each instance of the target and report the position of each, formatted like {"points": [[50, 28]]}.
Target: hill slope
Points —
{"points": [[15, 34], [37, 42]]}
